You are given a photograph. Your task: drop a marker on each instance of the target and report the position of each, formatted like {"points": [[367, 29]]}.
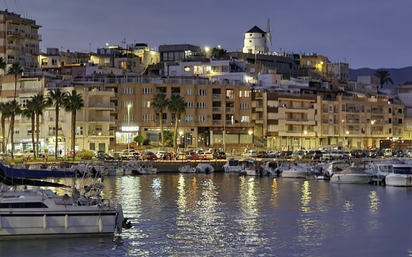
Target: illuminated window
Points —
{"points": [[244, 93], [187, 68], [146, 104]]}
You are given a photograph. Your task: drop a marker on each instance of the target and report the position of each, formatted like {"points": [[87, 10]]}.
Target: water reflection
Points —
{"points": [[374, 201], [275, 192], [305, 197]]}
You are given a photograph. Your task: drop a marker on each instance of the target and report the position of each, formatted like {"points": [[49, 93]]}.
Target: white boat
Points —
{"points": [[37, 212], [351, 175], [232, 166], [400, 177], [294, 170], [272, 168], [139, 168], [325, 171], [187, 168], [251, 168], [204, 168]]}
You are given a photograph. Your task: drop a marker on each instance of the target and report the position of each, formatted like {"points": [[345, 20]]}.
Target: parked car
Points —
{"points": [[313, 155], [26, 153], [160, 155], [272, 154], [262, 154], [193, 156], [208, 155], [298, 155], [104, 156], [221, 155], [249, 154], [149, 156]]}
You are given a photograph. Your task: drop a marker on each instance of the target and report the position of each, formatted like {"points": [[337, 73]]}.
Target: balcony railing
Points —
{"points": [[217, 122], [217, 109]]}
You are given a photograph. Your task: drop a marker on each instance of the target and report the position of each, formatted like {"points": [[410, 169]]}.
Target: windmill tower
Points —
{"points": [[255, 41], [269, 33]]}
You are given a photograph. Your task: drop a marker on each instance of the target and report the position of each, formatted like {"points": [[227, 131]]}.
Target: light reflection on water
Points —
{"points": [[219, 215]]}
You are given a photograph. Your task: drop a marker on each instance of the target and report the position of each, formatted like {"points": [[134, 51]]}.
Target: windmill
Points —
{"points": [[269, 33]]}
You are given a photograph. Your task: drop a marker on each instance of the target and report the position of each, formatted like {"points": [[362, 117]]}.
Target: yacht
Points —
{"points": [[401, 176]]}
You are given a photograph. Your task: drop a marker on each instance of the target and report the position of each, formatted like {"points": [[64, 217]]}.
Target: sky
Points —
{"points": [[364, 33]]}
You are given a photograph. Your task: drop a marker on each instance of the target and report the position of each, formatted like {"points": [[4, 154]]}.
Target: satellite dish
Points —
{"points": [[269, 33]]}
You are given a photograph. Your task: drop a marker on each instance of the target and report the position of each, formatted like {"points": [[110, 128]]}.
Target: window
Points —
{"points": [[147, 91], [125, 117], [252, 70], [189, 118], [128, 91], [244, 93], [201, 105], [127, 103], [245, 119], [54, 62], [244, 106], [189, 105], [230, 94], [225, 68], [189, 91], [147, 117], [146, 104], [202, 92], [201, 118]]}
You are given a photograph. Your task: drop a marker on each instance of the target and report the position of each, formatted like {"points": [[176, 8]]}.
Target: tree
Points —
{"points": [[15, 70], [72, 103], [139, 139], [5, 113], [177, 106], [29, 112], [3, 64], [14, 108], [218, 52], [384, 77], [40, 103], [160, 104], [56, 98]]}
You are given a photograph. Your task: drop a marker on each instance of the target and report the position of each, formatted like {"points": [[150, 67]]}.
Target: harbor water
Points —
{"points": [[229, 215]]}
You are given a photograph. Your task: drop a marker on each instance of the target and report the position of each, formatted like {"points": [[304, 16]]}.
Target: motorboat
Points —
{"points": [[27, 210], [187, 168], [232, 166], [139, 168], [294, 170], [251, 167], [400, 177], [325, 171], [272, 168], [351, 175], [204, 168]]}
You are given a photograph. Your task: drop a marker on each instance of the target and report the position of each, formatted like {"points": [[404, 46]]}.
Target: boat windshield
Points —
{"points": [[402, 170], [385, 169]]}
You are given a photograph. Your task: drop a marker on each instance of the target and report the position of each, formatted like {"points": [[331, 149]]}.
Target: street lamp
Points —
{"points": [[347, 139], [128, 127], [250, 132]]}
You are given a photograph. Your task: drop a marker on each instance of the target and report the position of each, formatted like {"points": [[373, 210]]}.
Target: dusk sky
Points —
{"points": [[364, 33]]}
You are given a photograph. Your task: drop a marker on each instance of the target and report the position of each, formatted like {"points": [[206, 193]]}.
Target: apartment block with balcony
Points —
{"points": [[19, 40], [217, 116]]}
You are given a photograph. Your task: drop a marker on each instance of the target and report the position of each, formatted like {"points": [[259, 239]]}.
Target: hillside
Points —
{"points": [[399, 76]]}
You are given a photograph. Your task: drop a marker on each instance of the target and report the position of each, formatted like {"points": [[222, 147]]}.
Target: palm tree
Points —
{"points": [[384, 77], [15, 70], [14, 108], [5, 113], [3, 64], [73, 103], [30, 112], [56, 97], [177, 106], [160, 103], [40, 105]]}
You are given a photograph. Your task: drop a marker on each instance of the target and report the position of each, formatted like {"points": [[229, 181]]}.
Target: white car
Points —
{"points": [[249, 154]]}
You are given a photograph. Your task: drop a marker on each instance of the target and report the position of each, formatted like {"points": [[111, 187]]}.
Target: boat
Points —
{"points": [[139, 168], [232, 166], [325, 171], [400, 177], [251, 167], [351, 175], [27, 210], [271, 168], [36, 173], [204, 168], [293, 170], [187, 168]]}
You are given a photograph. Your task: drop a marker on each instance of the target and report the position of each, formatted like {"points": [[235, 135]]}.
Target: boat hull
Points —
{"points": [[398, 180], [57, 224], [351, 178], [294, 174]]}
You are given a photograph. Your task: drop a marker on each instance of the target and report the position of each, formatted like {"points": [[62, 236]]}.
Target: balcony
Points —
{"points": [[217, 109], [230, 109], [216, 96], [30, 90], [217, 122]]}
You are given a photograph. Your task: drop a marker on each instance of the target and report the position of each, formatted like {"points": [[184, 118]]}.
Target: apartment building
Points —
{"points": [[304, 117], [19, 40]]}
